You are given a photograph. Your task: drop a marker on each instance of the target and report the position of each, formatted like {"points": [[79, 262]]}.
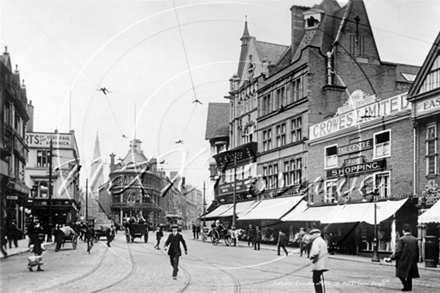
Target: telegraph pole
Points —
{"points": [[87, 200], [234, 216], [50, 190]]}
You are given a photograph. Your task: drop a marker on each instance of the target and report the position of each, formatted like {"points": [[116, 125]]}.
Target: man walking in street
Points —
{"points": [[89, 236], [319, 257], [197, 231], [282, 242], [406, 256], [250, 235], [174, 240], [159, 235], [110, 235], [301, 234], [257, 238]]}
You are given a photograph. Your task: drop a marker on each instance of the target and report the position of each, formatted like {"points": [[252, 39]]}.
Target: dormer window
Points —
{"points": [[313, 17], [312, 22]]}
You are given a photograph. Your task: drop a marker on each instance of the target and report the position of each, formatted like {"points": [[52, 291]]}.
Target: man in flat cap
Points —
{"points": [[174, 240], [319, 257]]}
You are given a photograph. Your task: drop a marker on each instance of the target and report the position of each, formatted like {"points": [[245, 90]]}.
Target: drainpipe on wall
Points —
{"points": [[420, 227]]}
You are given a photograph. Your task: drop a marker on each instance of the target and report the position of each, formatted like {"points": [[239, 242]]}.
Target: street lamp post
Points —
{"points": [[375, 257]]}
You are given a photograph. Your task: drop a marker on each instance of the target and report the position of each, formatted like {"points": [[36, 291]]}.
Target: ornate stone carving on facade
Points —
{"points": [[431, 194]]}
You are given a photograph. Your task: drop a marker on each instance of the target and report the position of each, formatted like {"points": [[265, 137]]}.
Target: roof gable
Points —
{"points": [[272, 52], [424, 81], [218, 115]]}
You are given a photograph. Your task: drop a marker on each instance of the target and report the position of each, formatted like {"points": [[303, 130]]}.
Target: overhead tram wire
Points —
{"points": [[71, 59], [189, 69]]}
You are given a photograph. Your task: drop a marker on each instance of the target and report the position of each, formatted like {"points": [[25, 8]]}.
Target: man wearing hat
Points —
{"points": [[319, 257], [406, 256], [174, 240]]}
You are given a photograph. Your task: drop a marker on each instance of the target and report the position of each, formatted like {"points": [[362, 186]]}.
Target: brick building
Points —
{"points": [[425, 98]]}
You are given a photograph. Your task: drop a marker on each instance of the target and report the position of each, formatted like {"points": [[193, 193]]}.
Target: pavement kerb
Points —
{"points": [[292, 250], [21, 248]]}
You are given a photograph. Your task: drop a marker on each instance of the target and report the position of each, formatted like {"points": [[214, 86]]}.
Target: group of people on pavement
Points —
{"points": [[196, 230]]}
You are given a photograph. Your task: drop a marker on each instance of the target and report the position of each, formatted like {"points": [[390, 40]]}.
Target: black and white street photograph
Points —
{"points": [[239, 146]]}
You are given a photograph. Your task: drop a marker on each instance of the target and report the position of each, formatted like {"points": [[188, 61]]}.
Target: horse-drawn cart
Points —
{"points": [[65, 235], [72, 238], [133, 231]]}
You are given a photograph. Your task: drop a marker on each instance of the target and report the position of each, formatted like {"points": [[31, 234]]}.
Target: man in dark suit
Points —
{"points": [[174, 240], [406, 256], [282, 242]]}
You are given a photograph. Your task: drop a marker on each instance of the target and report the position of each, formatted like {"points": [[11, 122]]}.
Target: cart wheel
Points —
{"points": [[146, 237], [215, 237], [74, 242]]}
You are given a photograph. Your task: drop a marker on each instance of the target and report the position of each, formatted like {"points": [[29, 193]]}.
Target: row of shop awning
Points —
{"points": [[294, 209], [432, 215], [348, 213]]}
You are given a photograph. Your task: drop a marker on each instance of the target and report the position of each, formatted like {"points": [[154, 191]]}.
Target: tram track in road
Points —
{"points": [[187, 281], [237, 284], [76, 279], [126, 277]]}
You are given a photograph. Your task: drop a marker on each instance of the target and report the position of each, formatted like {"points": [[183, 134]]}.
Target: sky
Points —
{"points": [[156, 58]]}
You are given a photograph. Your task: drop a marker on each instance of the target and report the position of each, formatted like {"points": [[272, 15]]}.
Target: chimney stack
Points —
{"points": [[112, 162], [298, 26], [30, 112]]}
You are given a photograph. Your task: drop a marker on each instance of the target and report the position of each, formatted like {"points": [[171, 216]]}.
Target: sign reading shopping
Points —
{"points": [[40, 139], [356, 169], [359, 109]]}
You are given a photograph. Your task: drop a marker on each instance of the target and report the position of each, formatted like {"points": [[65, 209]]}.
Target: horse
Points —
{"points": [[235, 234], [305, 243]]}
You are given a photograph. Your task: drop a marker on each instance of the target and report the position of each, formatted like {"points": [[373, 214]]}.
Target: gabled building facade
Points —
{"points": [[355, 120], [425, 98], [13, 147]]}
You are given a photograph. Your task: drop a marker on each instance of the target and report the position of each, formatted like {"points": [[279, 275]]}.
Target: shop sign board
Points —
{"points": [[355, 147], [354, 161], [357, 169], [42, 140], [229, 187], [428, 105], [362, 114]]}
